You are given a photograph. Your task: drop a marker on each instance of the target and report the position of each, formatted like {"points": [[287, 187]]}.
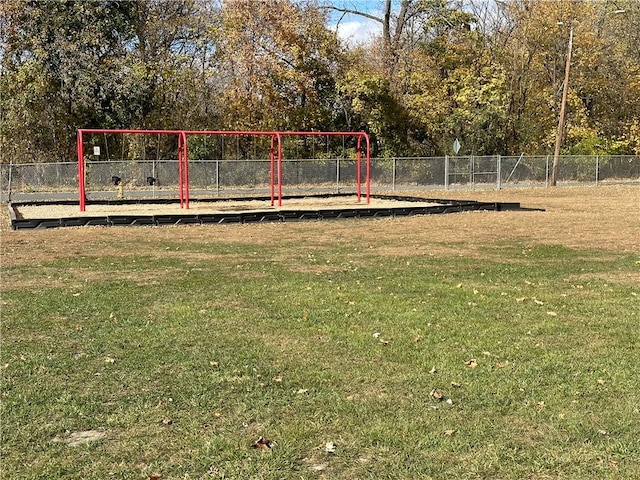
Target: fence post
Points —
{"points": [[153, 172], [546, 175], [217, 177], [446, 172], [498, 172], [597, 168], [337, 174], [393, 174], [9, 180], [472, 176]]}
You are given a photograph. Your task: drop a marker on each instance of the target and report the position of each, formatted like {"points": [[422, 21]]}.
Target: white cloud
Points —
{"points": [[357, 30]]}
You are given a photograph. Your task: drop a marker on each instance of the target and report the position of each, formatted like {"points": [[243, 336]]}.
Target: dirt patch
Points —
{"points": [[603, 218], [621, 278], [75, 439]]}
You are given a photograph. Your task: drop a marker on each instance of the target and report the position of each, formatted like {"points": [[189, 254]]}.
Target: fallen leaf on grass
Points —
{"points": [[552, 314], [437, 394], [473, 363], [538, 302], [456, 384], [433, 371], [302, 391], [277, 379], [155, 476], [167, 421], [109, 360], [449, 433], [539, 404], [263, 444], [330, 447]]}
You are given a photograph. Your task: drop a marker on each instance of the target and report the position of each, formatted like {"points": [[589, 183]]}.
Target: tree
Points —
{"points": [[58, 71], [602, 98], [277, 64]]}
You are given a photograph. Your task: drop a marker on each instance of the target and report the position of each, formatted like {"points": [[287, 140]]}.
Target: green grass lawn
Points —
{"points": [[521, 364]]}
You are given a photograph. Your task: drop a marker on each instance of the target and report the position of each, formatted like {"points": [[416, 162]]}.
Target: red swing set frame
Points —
{"points": [[276, 158]]}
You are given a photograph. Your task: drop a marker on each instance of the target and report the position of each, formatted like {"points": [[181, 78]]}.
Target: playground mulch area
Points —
{"points": [[209, 207], [605, 218]]}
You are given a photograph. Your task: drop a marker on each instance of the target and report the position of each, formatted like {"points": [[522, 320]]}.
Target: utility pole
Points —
{"points": [[563, 106]]}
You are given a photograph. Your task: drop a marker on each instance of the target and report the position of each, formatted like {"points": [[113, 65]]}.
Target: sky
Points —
{"points": [[355, 29]]}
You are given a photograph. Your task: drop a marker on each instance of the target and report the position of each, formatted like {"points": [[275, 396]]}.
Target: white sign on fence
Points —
{"points": [[456, 146]]}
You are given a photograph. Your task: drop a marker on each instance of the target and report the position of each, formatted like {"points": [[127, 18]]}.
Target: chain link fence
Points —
{"points": [[158, 178]]}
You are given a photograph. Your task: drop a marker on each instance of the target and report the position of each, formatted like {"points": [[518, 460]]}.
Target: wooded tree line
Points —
{"points": [[489, 73]]}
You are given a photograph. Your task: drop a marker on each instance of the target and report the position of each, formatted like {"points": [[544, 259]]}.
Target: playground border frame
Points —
{"points": [[418, 206]]}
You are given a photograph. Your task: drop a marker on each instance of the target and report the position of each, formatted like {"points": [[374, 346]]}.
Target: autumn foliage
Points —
{"points": [[487, 73]]}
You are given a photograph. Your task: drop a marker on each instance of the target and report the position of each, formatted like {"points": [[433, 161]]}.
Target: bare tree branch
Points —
{"points": [[353, 12]]}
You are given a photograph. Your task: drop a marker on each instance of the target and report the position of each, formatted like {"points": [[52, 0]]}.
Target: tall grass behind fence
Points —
{"points": [[159, 177]]}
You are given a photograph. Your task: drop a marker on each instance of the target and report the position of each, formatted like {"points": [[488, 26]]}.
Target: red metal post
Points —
{"points": [[82, 194], [358, 166], [185, 170], [279, 169], [180, 176], [272, 169], [368, 168]]}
